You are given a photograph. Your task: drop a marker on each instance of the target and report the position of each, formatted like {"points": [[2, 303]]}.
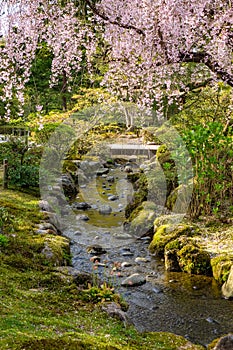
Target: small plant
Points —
{"points": [[96, 294], [4, 218], [3, 241]]}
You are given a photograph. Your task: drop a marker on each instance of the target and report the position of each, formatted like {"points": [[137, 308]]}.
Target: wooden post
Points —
{"points": [[5, 173]]}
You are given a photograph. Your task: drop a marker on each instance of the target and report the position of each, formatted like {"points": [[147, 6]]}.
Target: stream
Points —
{"points": [[187, 305]]}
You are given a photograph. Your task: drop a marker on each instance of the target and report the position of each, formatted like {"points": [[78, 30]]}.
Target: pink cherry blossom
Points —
{"points": [[150, 43]]}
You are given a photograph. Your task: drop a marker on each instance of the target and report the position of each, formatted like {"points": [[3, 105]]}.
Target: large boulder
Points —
{"points": [[221, 266], [143, 222], [68, 185], [179, 199], [89, 167], [167, 233], [183, 254], [80, 278], [168, 219], [227, 288], [56, 250], [223, 343], [194, 260]]}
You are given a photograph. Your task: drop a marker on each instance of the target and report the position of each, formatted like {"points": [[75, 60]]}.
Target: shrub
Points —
{"points": [[209, 147]]}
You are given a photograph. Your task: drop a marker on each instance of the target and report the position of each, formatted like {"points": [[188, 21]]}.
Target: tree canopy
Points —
{"points": [[153, 48]]}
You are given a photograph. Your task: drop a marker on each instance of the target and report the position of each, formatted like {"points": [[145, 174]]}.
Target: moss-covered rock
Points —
{"points": [[227, 288], [164, 157], [183, 254], [194, 260], [157, 184], [179, 199], [223, 343], [142, 222], [171, 260], [80, 278], [56, 250], [170, 257], [221, 266], [140, 195], [166, 233], [168, 219]]}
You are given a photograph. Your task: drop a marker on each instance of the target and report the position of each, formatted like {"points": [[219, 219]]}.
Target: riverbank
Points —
{"points": [[43, 309]]}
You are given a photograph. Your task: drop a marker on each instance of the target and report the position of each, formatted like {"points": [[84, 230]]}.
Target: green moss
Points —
{"points": [[143, 218], [175, 244], [168, 219], [40, 310], [140, 196], [56, 250], [221, 266], [166, 233], [212, 345], [163, 155], [133, 177], [194, 260], [69, 167], [179, 199]]}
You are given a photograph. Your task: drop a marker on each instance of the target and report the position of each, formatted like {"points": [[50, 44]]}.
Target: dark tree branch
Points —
{"points": [[106, 18], [214, 66]]}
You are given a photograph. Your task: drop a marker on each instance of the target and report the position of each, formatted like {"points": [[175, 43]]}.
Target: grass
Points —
{"points": [[41, 310]]}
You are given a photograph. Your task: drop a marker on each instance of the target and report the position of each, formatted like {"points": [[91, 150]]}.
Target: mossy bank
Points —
{"points": [[43, 308]]}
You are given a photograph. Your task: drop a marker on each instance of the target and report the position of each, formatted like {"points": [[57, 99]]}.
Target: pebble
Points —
{"points": [[141, 259], [100, 264], [81, 205], [211, 320], [42, 232], [82, 217], [96, 249], [95, 258], [105, 209], [110, 179], [134, 280], [113, 198], [78, 233], [123, 236], [146, 238], [127, 254], [156, 290], [126, 264]]}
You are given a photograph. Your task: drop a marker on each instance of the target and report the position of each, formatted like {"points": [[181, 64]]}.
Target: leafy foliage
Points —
{"points": [[212, 152], [23, 163]]}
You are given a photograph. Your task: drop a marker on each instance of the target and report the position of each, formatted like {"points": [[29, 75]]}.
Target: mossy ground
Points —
{"points": [[39, 310]]}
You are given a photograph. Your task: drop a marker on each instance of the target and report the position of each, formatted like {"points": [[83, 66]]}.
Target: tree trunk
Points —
{"points": [[64, 91]]}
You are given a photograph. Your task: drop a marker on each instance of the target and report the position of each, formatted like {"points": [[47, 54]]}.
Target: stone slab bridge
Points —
{"points": [[130, 149]]}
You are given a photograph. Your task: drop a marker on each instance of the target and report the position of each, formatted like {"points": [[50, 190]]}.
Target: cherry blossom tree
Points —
{"points": [[156, 47], [153, 43], [26, 25]]}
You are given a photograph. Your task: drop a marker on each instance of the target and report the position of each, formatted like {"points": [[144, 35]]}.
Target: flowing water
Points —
{"points": [[188, 305]]}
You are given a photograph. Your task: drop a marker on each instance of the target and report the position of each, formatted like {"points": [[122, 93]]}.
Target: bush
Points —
{"points": [[23, 163], [212, 156]]}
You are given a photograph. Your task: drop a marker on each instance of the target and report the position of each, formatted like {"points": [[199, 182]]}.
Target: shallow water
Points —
{"points": [[191, 306]]}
